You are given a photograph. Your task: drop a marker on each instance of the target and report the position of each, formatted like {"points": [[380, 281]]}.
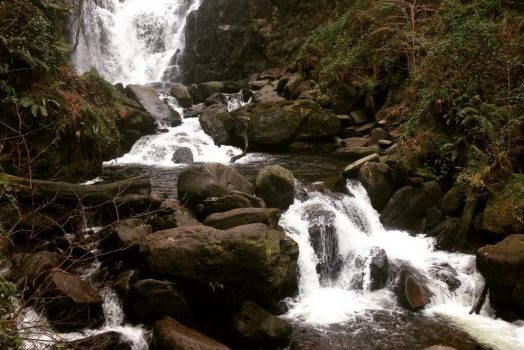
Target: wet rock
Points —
{"points": [[254, 325], [69, 303], [158, 109], [409, 204], [379, 269], [452, 202], [125, 233], [133, 122], [183, 155], [169, 334], [295, 86], [412, 292], [233, 200], [250, 262], [182, 95], [124, 282], [271, 125], [33, 268], [376, 179], [218, 123], [151, 300], [502, 215], [447, 274], [353, 169], [202, 91], [104, 341], [445, 232], [216, 99], [243, 216], [356, 153], [433, 218], [198, 182], [502, 265], [276, 185], [194, 111], [359, 117]]}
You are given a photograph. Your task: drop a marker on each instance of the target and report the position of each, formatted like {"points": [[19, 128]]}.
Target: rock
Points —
{"points": [[218, 123], [351, 132], [249, 262], [445, 233], [271, 125], [182, 95], [133, 122], [202, 91], [384, 143], [169, 334], [198, 182], [356, 153], [258, 84], [149, 100], [378, 134], [194, 111], [345, 120], [276, 185], [125, 233], [70, 304], [439, 347], [376, 179], [378, 269], [503, 213], [412, 292], [409, 204], [105, 341], [267, 93], [254, 325], [452, 202], [366, 128], [353, 169], [295, 86], [183, 155], [151, 300], [447, 274], [433, 218], [124, 282], [359, 117], [178, 218], [243, 216], [231, 87], [353, 142], [33, 267], [502, 266], [215, 99], [233, 200]]}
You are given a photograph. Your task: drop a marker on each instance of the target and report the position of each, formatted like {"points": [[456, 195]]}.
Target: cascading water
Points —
{"points": [[345, 232], [131, 41]]}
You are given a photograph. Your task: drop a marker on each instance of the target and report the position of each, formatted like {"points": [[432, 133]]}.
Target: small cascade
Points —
{"points": [[349, 266], [131, 41]]}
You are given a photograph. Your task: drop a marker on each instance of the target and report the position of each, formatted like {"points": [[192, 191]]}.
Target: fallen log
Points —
{"points": [[133, 190], [480, 302]]}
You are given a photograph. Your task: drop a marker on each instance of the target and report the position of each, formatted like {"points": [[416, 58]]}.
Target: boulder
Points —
{"points": [[378, 135], [276, 185], [169, 334], [33, 267], [353, 169], [151, 300], [216, 99], [243, 216], [412, 293], [271, 125], [202, 91], [295, 86], [354, 142], [502, 266], [150, 101], [355, 153], [183, 155], [231, 87], [254, 325], [105, 341], [182, 95], [198, 182], [268, 94], [233, 200], [452, 203], [194, 111], [124, 282], [447, 274], [375, 264], [250, 262], [445, 232], [124, 233], [409, 204], [376, 179], [218, 123], [133, 122], [70, 304], [503, 213], [359, 117]]}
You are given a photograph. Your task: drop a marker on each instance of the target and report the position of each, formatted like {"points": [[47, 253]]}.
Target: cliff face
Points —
{"points": [[229, 39]]}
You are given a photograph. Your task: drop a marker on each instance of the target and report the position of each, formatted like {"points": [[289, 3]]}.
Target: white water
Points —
{"points": [[358, 229], [131, 41]]}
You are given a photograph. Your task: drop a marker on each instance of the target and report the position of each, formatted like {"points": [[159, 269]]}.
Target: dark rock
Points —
{"points": [[125, 233], [233, 200], [182, 95], [169, 334], [231, 87], [243, 216], [445, 233], [259, 84], [104, 341], [353, 142], [268, 93], [351, 132], [133, 122], [249, 262], [215, 99], [409, 204], [447, 274], [69, 303], [412, 293], [385, 143], [359, 117], [452, 202], [433, 218], [218, 123], [183, 155], [276, 185], [502, 215], [202, 91], [194, 111], [378, 134], [295, 86], [124, 282], [376, 179], [254, 325], [198, 182], [379, 269], [356, 153], [158, 109], [151, 300], [33, 268], [366, 128]]}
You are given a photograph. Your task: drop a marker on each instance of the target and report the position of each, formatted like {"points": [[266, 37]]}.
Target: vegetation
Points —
{"points": [[448, 73]]}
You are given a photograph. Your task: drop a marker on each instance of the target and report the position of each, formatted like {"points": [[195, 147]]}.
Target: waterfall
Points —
{"points": [[131, 41], [345, 232]]}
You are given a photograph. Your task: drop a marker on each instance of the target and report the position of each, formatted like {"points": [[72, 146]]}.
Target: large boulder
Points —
{"points": [[69, 303], [150, 101], [181, 93], [151, 300], [254, 325], [276, 185], [445, 233], [199, 182], [133, 122], [218, 123], [409, 204], [250, 262], [502, 265], [503, 213], [183, 155], [243, 216], [169, 334], [376, 179], [272, 125], [202, 91], [33, 267], [105, 341]]}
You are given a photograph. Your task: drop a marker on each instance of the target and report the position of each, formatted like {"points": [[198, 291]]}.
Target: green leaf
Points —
{"points": [[34, 110], [43, 111], [26, 102]]}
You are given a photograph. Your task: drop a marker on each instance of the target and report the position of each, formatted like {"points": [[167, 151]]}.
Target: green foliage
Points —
{"points": [[8, 336]]}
